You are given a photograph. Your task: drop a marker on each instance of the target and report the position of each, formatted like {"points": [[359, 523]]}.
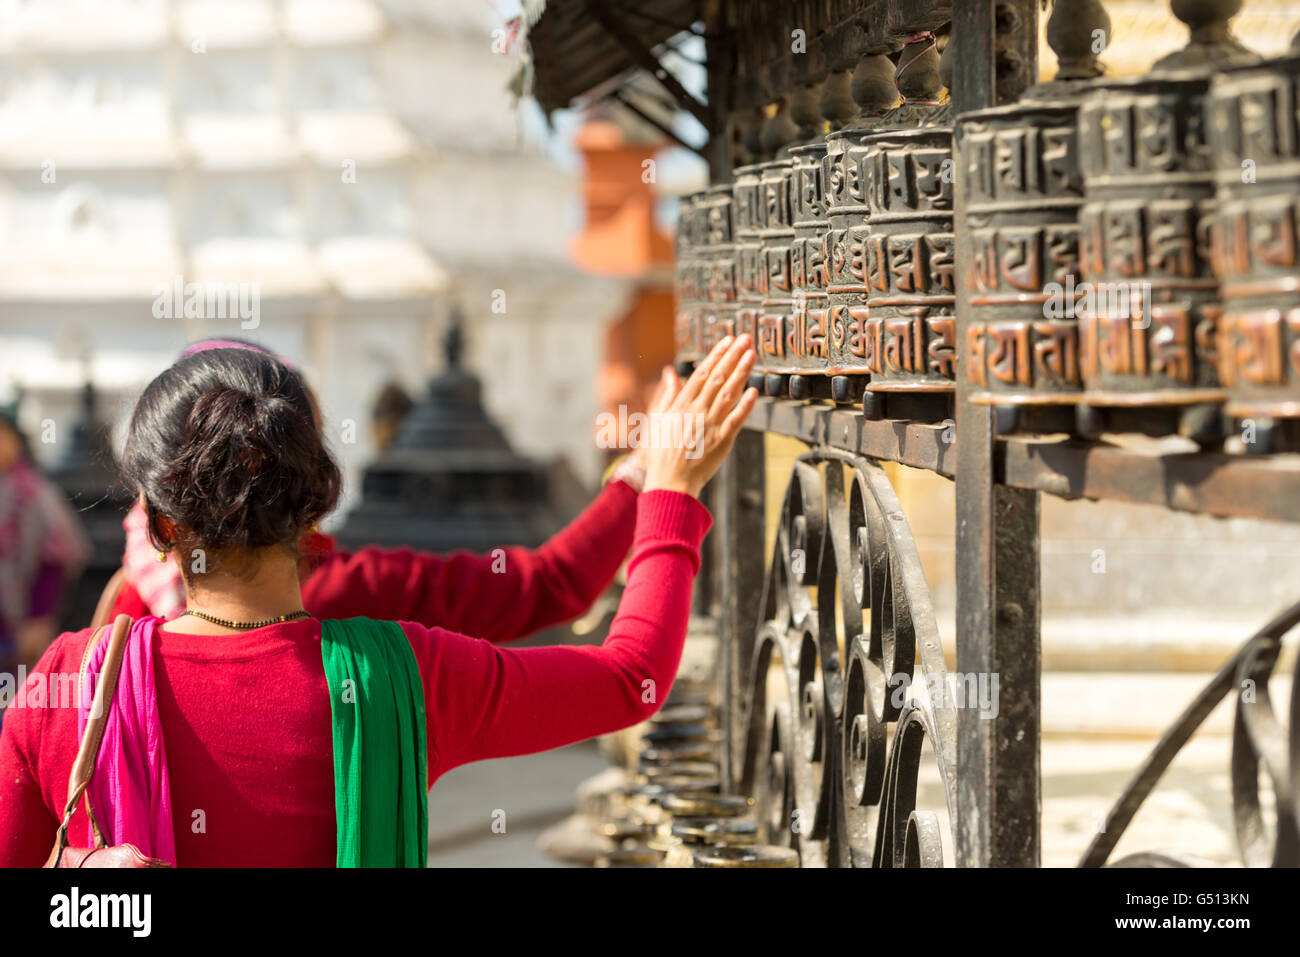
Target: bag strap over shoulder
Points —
{"points": [[83, 766]]}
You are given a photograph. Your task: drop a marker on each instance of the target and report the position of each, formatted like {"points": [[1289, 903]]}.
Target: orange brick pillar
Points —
{"points": [[621, 239]]}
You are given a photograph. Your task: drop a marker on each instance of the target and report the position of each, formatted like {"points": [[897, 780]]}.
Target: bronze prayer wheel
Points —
{"points": [[671, 734], [630, 855], [750, 855], [691, 279], [777, 239], [677, 784], [749, 250], [714, 830], [1148, 318], [1255, 141], [1023, 190], [910, 336], [807, 341], [708, 805], [718, 225], [683, 714], [702, 751], [846, 244], [678, 769]]}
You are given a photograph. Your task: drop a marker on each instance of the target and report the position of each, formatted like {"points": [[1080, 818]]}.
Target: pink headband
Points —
{"points": [[203, 345]]}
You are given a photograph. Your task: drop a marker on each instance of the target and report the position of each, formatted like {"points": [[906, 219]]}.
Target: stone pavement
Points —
{"points": [[1099, 726], [1190, 812], [535, 791], [1081, 779]]}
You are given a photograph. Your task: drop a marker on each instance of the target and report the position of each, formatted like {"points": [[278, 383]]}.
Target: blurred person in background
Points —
{"points": [[42, 549], [387, 413]]}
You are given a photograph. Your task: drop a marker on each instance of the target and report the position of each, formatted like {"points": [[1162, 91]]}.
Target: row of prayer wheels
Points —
{"points": [[1104, 255], [785, 254], [671, 812]]}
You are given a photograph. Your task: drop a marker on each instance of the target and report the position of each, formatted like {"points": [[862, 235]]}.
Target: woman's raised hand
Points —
{"points": [[691, 434]]}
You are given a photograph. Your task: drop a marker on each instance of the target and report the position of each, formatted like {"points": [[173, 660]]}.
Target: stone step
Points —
{"points": [[1095, 705], [1159, 644], [1189, 812]]}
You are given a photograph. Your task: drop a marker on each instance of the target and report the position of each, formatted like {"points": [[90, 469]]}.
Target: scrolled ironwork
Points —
{"points": [[1259, 742], [834, 756]]}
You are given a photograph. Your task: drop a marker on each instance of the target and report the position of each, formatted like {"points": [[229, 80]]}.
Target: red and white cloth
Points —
{"points": [[159, 583]]}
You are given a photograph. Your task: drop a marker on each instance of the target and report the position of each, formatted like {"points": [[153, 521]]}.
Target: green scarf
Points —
{"points": [[381, 769]]}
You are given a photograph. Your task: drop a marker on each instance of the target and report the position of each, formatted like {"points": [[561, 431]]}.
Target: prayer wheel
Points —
{"points": [[679, 769], [702, 751], [716, 222], [806, 340], [1022, 190], [687, 714], [1022, 198], [676, 733], [909, 340], [690, 281], [708, 805], [890, 206], [632, 855], [846, 238], [776, 240], [749, 255], [1149, 323], [760, 855], [1148, 319], [692, 820], [715, 831], [1255, 142]]}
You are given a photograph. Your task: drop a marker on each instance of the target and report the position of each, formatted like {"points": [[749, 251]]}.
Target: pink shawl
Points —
{"points": [[129, 790]]}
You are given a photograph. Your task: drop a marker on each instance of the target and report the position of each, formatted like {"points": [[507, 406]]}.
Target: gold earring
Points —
{"points": [[162, 556]]}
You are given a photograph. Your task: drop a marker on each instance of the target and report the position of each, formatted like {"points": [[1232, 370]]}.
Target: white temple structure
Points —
{"points": [[325, 177]]}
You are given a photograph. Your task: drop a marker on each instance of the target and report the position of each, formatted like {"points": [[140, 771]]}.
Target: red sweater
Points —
{"points": [[246, 718], [552, 584]]}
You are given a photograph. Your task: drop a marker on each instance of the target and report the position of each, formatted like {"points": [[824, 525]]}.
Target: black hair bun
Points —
{"points": [[225, 446]]}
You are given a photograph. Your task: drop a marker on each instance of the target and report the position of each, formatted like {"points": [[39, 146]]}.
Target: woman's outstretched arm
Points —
{"points": [[503, 595], [464, 592], [485, 702]]}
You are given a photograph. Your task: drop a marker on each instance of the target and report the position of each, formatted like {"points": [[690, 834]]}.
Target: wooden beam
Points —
{"points": [[642, 57], [1162, 474], [663, 128]]}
